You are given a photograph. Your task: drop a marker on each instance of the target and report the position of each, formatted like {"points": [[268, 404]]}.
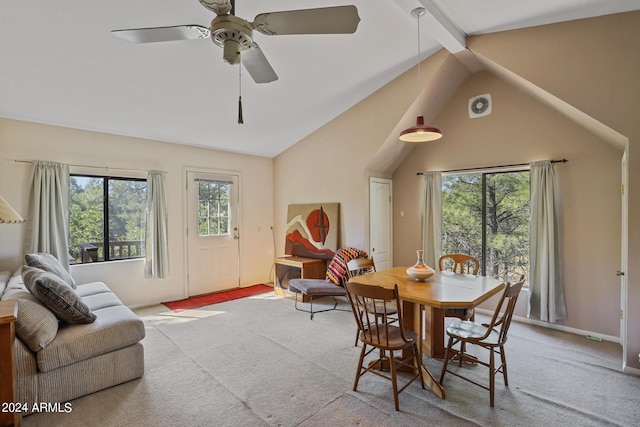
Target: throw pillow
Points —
{"points": [[47, 262], [57, 295], [36, 325]]}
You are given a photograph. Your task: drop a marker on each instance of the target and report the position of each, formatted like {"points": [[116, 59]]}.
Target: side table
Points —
{"points": [[8, 316], [296, 267]]}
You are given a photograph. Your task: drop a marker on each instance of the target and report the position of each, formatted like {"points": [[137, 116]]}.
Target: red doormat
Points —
{"points": [[202, 300]]}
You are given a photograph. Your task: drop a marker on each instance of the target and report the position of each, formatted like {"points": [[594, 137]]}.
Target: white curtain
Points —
{"points": [[546, 298], [432, 217], [48, 220], [157, 245]]}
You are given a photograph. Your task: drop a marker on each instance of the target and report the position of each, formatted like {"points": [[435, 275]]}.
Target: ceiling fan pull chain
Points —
{"points": [[240, 120]]}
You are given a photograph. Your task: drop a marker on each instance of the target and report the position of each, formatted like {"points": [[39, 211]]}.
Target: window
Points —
{"points": [[214, 207], [486, 215], [107, 212]]}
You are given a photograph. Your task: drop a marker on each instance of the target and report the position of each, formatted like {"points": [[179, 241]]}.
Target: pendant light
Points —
{"points": [[420, 132]]}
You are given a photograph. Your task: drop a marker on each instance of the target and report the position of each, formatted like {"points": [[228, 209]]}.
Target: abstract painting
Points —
{"points": [[312, 230]]}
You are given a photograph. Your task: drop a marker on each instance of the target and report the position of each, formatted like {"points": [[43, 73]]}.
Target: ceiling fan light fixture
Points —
{"points": [[231, 52], [233, 34], [420, 132]]}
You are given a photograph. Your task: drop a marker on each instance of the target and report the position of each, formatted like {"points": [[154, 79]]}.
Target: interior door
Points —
{"points": [[624, 261], [380, 222], [212, 232]]}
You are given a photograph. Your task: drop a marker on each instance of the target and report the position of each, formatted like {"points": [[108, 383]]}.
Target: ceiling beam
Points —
{"points": [[442, 29], [437, 24]]}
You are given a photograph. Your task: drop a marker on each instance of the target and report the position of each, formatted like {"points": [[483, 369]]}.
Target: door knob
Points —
{"points": [[619, 273]]}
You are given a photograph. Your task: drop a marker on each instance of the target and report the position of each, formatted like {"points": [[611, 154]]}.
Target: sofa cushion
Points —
{"points": [[93, 288], [47, 262], [316, 287], [15, 285], [57, 295], [115, 327]]}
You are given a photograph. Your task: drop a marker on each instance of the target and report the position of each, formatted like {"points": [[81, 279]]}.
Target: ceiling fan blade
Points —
{"points": [[163, 34], [257, 65], [219, 7], [326, 20]]}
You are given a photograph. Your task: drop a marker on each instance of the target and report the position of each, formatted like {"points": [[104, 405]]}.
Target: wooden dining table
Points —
{"points": [[424, 304]]}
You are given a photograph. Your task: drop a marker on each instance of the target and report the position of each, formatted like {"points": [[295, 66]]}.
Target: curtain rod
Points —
{"points": [[106, 168], [494, 167]]}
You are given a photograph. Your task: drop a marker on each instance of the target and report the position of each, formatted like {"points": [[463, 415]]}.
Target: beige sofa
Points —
{"points": [[57, 362]]}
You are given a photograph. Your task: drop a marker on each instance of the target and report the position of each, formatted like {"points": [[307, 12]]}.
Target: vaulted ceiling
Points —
{"points": [[62, 66]]}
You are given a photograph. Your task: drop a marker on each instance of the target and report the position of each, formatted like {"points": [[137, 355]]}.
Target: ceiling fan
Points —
{"points": [[235, 35]]}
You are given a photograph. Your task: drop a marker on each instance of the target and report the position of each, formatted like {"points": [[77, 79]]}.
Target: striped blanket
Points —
{"points": [[337, 268]]}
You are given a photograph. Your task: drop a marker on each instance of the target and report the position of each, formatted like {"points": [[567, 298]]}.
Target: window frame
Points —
{"points": [[105, 209]]}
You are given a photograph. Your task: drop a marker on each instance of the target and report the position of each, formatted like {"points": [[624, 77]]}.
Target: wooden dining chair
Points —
{"points": [[459, 263], [376, 333], [359, 266], [491, 336]]}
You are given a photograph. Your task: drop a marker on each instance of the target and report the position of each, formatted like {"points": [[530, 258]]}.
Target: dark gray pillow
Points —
{"points": [[47, 262], [57, 295]]}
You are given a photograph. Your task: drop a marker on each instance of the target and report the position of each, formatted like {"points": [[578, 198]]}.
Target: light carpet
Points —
{"points": [[258, 362]]}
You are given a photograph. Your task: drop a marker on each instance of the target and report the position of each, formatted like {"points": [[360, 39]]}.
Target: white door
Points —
{"points": [[380, 222], [624, 261], [212, 232]]}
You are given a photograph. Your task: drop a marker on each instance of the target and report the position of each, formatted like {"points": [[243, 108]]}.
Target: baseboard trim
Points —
{"points": [[628, 370], [557, 327]]}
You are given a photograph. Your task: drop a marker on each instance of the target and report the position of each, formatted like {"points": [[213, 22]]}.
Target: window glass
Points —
{"points": [[486, 215], [507, 225], [461, 214], [214, 209], [127, 218], [106, 212]]}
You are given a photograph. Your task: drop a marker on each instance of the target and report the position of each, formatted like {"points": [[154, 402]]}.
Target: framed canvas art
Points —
{"points": [[312, 230]]}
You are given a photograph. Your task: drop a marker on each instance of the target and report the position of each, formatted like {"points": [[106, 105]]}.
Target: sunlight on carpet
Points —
{"points": [[184, 316]]}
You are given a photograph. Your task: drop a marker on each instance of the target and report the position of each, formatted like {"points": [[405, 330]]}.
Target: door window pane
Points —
{"points": [[214, 209]]}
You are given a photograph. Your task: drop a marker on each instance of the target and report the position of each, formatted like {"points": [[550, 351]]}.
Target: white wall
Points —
{"points": [[333, 164], [28, 141]]}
